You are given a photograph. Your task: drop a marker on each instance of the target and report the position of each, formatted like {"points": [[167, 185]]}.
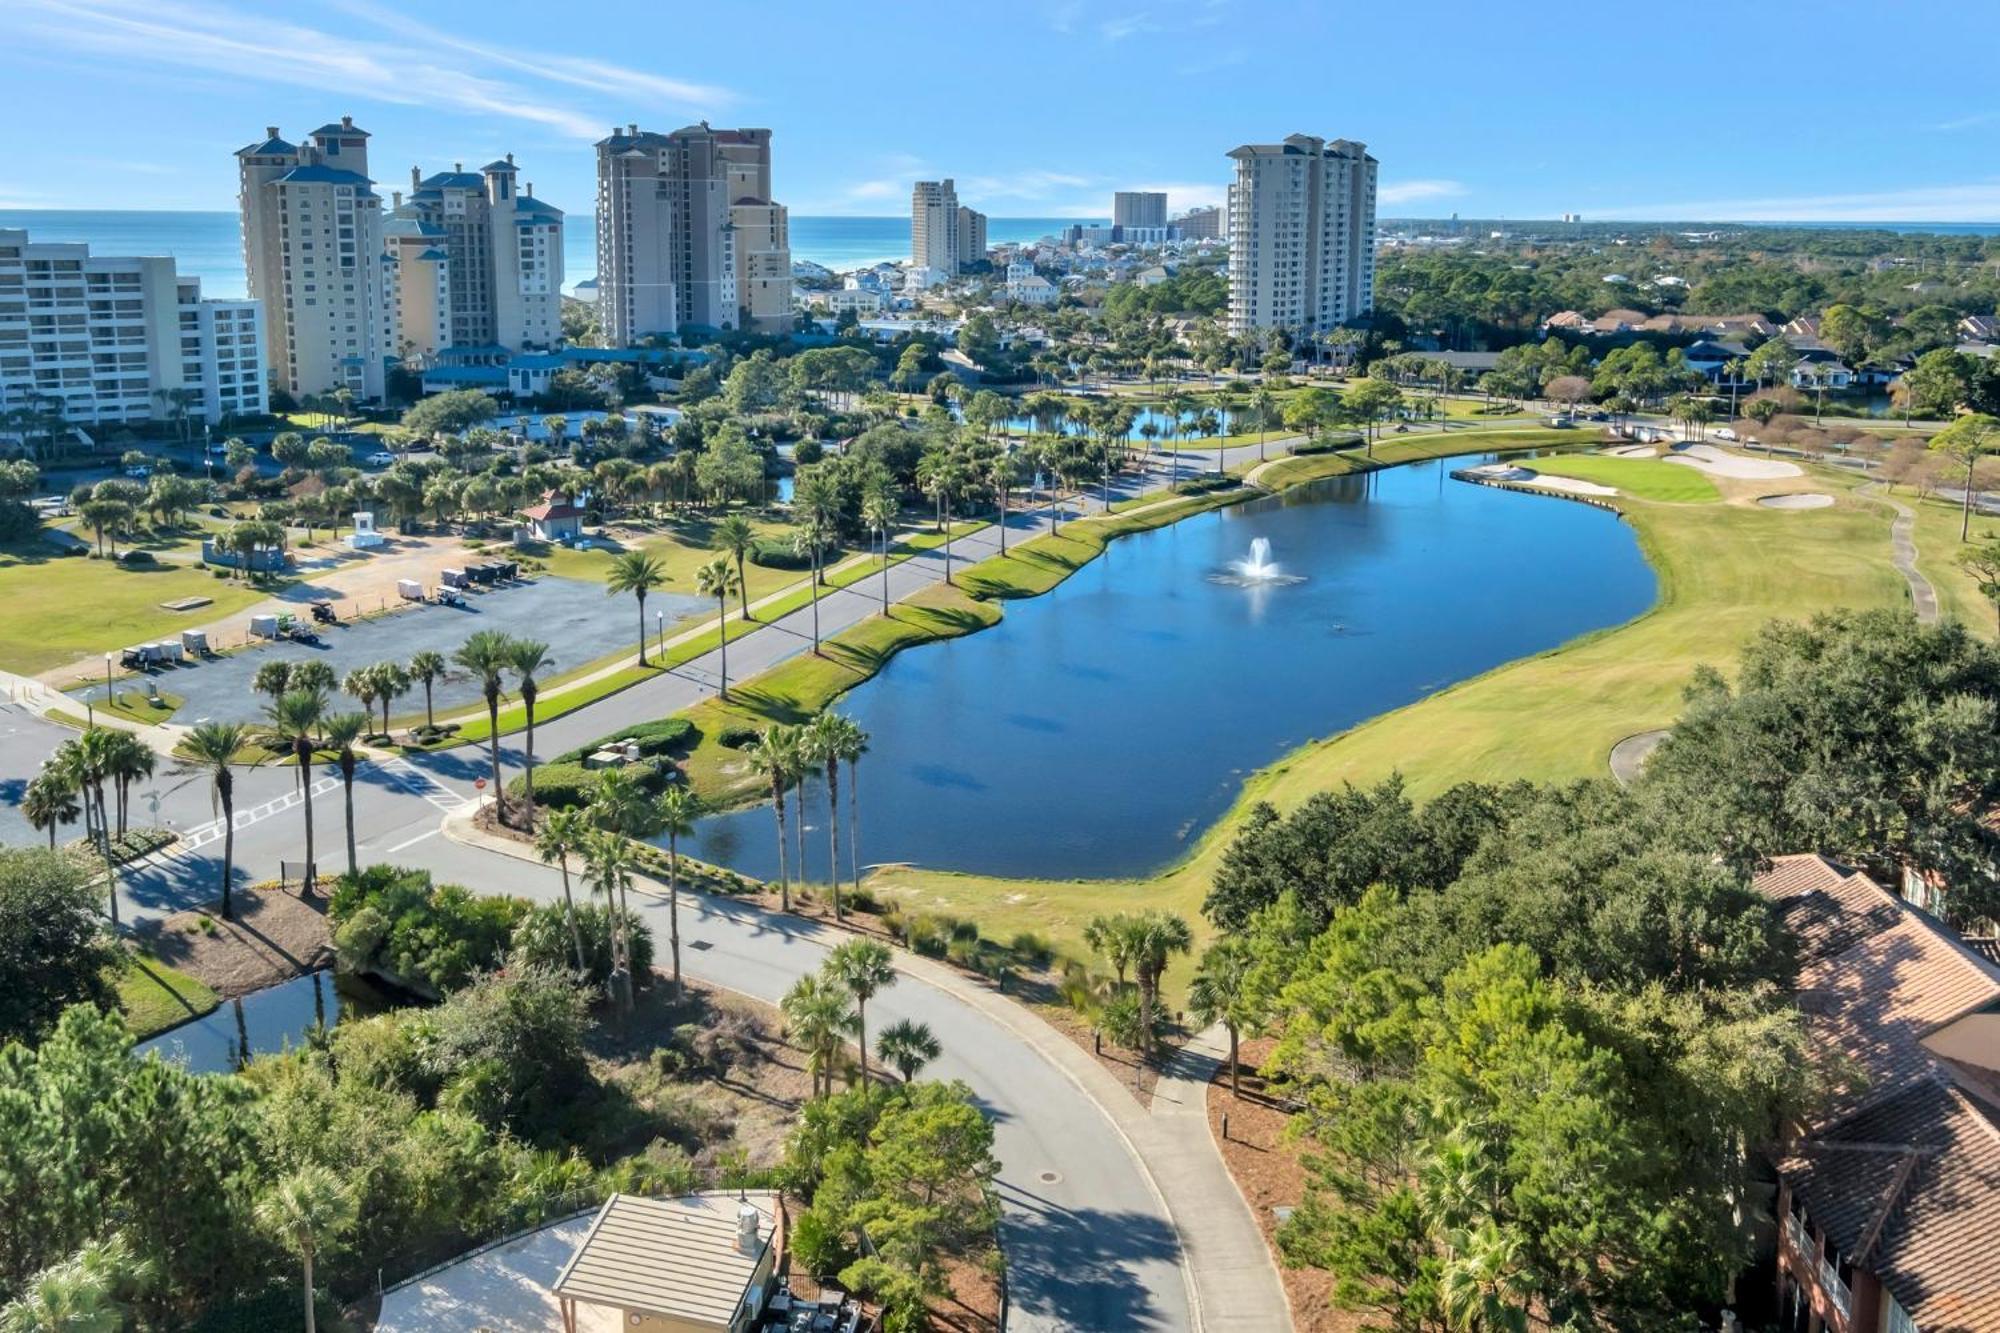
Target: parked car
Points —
{"points": [[381, 458], [1562, 423], [139, 471], [1723, 433]]}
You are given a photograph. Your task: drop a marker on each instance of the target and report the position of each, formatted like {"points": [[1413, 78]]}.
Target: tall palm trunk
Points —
{"points": [[947, 544], [430, 717], [799, 805], [854, 822], [784, 877], [833, 829], [528, 768], [493, 750], [347, 782], [312, 1317], [641, 599], [813, 589], [569, 909], [885, 571], [225, 786], [302, 747], [674, 907]]}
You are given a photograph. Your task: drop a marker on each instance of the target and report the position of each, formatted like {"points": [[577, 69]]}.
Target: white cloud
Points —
{"points": [[1972, 121], [1409, 192], [432, 69], [1977, 201], [1127, 25]]}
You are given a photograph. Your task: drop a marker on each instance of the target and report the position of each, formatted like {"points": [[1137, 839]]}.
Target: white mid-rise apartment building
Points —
{"points": [[688, 234], [312, 249], [491, 252], [116, 340], [934, 226], [1301, 235], [1139, 208]]}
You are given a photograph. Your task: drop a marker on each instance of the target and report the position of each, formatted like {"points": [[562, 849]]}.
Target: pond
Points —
{"points": [[1146, 416], [267, 1021], [1096, 731]]}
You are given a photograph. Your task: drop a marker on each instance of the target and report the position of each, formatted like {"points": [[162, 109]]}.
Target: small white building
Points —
{"points": [[861, 300], [921, 278], [701, 1263], [1033, 290]]}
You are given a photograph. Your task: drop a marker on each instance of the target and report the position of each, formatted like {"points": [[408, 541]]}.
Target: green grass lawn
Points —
{"points": [[155, 997], [55, 609], [1645, 478], [133, 705]]}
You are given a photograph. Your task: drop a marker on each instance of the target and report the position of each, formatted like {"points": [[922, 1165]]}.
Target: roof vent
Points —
{"points": [[746, 1229]]}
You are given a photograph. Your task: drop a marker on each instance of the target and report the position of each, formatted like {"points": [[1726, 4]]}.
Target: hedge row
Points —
{"points": [[654, 738]]}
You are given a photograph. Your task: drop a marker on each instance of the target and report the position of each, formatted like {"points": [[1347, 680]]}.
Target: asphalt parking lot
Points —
{"points": [[578, 621]]}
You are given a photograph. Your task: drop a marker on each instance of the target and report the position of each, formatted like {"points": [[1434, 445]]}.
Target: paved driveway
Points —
{"points": [[575, 618]]}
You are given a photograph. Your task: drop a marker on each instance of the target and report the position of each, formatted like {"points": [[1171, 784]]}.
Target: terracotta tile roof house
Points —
{"points": [[1890, 1202], [1566, 319], [554, 519]]}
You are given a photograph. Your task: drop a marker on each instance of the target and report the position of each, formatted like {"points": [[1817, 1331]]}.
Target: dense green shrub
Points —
{"points": [[54, 950], [542, 939], [508, 1050], [436, 936], [654, 738], [738, 736], [562, 786], [1327, 444], [778, 555]]}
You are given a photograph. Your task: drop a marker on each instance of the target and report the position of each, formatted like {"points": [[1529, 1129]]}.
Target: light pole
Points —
{"points": [[110, 699], [660, 627]]}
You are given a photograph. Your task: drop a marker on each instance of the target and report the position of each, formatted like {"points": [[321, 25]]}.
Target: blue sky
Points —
{"points": [[1753, 110]]}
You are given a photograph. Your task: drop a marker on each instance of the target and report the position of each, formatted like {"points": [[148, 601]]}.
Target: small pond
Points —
{"points": [[1096, 731], [267, 1021]]}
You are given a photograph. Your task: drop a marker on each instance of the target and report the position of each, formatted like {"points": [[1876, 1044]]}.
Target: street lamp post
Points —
{"points": [[110, 699], [660, 625]]}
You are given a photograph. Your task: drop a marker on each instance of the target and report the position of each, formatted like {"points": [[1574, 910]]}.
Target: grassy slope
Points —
{"points": [[156, 997], [1723, 570], [57, 609], [1646, 478]]}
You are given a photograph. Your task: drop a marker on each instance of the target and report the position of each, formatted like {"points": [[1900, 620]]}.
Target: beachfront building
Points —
{"points": [[312, 251], [111, 340], [1301, 235], [1139, 208], [944, 234], [477, 262], [1200, 224], [687, 233]]}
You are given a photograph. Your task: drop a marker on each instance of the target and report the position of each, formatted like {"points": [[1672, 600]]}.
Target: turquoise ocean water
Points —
{"points": [[207, 246]]}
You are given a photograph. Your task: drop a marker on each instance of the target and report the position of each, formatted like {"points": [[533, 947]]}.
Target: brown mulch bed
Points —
{"points": [[1266, 1168], [273, 936]]}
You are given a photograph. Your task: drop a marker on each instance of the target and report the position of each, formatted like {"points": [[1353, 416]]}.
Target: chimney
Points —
{"points": [[510, 159], [458, 167], [531, 189], [416, 179], [395, 198], [270, 131], [633, 129], [347, 122], [746, 1229]]}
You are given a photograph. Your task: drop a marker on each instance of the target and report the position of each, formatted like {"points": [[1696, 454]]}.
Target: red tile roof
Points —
{"points": [[549, 509]]}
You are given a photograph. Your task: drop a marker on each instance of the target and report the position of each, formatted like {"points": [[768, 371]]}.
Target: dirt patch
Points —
{"points": [[1797, 500], [273, 937], [1265, 1163]]}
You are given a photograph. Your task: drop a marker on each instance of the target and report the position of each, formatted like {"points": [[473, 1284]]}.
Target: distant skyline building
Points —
{"points": [[971, 237], [114, 340], [688, 234], [313, 257], [476, 262], [1200, 224], [1138, 208], [1301, 235]]}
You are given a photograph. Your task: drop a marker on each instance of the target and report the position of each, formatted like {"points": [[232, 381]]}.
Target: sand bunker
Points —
{"points": [[1572, 485], [1709, 459], [1797, 500], [1631, 451]]}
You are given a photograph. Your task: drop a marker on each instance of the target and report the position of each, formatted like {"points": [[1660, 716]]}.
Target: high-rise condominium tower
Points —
{"points": [[687, 233], [312, 249], [1301, 235], [1138, 208], [944, 234], [477, 262], [102, 339]]}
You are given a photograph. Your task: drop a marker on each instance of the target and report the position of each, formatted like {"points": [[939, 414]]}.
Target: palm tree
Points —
{"points": [[49, 800], [1178, 408], [1000, 476], [127, 760], [1155, 936], [735, 536], [907, 1046], [823, 745], [85, 1293], [817, 1017], [675, 814], [427, 668], [608, 861], [295, 720], [636, 572], [1222, 993], [776, 757], [273, 678], [866, 969], [528, 656], [364, 685], [339, 733], [1264, 404], [561, 833], [1111, 937], [879, 508], [304, 1212], [392, 682], [487, 655], [853, 744], [716, 579]]}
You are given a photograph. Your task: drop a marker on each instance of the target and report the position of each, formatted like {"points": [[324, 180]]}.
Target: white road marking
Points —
{"points": [[411, 842]]}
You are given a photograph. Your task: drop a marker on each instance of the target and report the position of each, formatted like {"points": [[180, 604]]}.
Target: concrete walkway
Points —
{"points": [[1903, 553]]}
